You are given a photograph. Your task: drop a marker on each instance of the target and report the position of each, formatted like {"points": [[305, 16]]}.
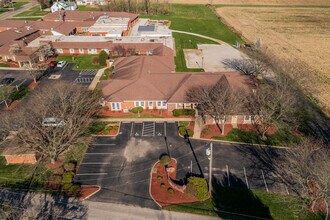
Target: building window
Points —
{"points": [[159, 104], [84, 29], [151, 104], [92, 51], [179, 105], [71, 50], [139, 104], [115, 106], [164, 103], [59, 50], [81, 50], [247, 117]]}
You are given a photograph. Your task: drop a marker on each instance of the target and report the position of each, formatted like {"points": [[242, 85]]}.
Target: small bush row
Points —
{"points": [[137, 110], [184, 131], [178, 112]]}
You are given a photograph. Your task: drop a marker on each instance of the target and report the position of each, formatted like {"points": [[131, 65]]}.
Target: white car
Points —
{"points": [[61, 63], [53, 122]]}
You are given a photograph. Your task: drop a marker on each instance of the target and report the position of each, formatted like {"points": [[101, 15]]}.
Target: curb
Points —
{"points": [[92, 193], [240, 143], [150, 184]]}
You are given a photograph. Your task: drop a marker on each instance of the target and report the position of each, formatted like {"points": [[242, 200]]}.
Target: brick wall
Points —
{"points": [[21, 159]]}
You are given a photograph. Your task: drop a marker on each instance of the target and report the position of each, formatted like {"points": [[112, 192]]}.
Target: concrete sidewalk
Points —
{"points": [[100, 211], [96, 79], [144, 119]]}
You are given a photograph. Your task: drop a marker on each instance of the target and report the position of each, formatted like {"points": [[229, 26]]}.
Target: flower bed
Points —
{"points": [[111, 129], [164, 191], [87, 191]]}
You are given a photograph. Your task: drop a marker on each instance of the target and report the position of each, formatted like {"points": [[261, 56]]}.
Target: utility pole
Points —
{"points": [[210, 168]]}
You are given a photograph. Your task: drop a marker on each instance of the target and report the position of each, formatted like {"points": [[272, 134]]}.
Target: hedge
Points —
{"points": [[178, 112], [183, 131], [197, 187], [165, 160], [137, 110], [103, 56]]}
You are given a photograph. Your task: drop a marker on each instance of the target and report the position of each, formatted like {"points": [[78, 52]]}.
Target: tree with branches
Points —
{"points": [[6, 94], [305, 169], [274, 104], [247, 66], [14, 49], [59, 116], [217, 101]]}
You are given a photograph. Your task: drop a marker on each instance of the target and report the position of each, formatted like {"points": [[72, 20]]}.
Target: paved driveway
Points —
{"points": [[121, 165]]}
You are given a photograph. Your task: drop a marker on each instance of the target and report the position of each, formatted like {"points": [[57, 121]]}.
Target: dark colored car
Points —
{"points": [[6, 81], [53, 64]]}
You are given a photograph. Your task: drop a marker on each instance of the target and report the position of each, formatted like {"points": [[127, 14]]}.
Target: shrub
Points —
{"points": [[165, 160], [103, 56], [55, 179], [115, 127], [170, 191], [137, 110], [20, 94], [69, 166], [183, 123], [67, 177], [66, 186], [159, 177], [162, 185], [95, 60], [184, 131], [73, 190], [58, 171], [178, 112], [96, 127], [197, 187]]}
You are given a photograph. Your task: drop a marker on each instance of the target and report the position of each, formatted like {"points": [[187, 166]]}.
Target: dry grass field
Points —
{"points": [[254, 2], [297, 34]]}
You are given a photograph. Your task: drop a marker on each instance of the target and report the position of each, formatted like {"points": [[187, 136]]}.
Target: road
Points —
{"points": [[11, 14], [98, 210]]}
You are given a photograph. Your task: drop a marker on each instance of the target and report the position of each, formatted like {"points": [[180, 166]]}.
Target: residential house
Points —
{"points": [[63, 5], [91, 2]]}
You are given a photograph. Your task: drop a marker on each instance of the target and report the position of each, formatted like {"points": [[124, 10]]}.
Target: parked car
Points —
{"points": [[6, 81], [52, 64], [61, 63], [53, 122]]}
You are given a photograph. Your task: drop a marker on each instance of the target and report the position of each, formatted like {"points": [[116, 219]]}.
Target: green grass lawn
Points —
{"points": [[35, 11], [4, 65], [86, 8], [14, 175], [83, 62], [197, 19], [16, 5], [279, 138], [184, 41], [239, 204]]}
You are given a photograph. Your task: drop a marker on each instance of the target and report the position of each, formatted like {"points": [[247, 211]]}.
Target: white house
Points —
{"points": [[91, 2], [63, 5]]}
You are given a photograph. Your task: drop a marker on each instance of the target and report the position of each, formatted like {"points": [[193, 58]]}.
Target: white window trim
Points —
{"points": [[92, 51], [59, 50], [152, 104], [139, 104], [81, 50], [116, 106], [72, 50], [246, 121]]}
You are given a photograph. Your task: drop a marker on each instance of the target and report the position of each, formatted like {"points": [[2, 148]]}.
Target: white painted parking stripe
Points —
{"points": [[90, 174], [98, 153], [228, 175], [94, 163], [263, 176], [246, 180], [165, 129], [132, 129]]}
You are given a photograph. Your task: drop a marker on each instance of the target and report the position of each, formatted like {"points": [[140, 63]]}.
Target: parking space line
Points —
{"points": [[132, 129], [263, 176], [165, 128], [97, 163], [228, 175], [98, 153], [246, 180], [90, 174], [286, 189]]}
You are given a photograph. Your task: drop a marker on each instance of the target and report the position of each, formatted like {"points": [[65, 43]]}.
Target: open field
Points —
{"points": [[254, 2], [297, 34]]}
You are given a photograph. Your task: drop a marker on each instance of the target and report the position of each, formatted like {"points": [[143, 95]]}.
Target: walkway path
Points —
{"points": [[98, 210], [202, 36], [25, 7], [198, 127], [96, 79]]}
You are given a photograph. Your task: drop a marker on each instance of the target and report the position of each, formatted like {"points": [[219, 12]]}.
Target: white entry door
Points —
{"points": [[234, 119]]}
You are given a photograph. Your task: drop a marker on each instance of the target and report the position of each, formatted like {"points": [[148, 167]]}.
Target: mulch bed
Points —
{"points": [[111, 133], [161, 195], [87, 191], [57, 164], [33, 85], [212, 130], [155, 112], [13, 105]]}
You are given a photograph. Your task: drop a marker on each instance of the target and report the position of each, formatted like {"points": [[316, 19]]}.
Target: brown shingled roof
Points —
{"points": [[87, 15]]}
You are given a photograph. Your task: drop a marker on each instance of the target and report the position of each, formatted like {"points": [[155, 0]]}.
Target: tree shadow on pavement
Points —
{"points": [[237, 201]]}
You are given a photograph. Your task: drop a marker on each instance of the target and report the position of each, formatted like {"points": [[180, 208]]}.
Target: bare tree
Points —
{"points": [[34, 71], [305, 169], [45, 50], [14, 49], [217, 101], [147, 6], [6, 94], [247, 66], [55, 118]]}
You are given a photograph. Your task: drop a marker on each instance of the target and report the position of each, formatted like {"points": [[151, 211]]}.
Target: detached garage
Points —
{"points": [[15, 153]]}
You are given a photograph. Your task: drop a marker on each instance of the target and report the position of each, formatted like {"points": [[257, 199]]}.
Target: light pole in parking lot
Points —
{"points": [[209, 154]]}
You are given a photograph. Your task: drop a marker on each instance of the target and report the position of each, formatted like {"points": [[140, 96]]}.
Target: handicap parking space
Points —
{"points": [[152, 129], [87, 73], [83, 80], [160, 129]]}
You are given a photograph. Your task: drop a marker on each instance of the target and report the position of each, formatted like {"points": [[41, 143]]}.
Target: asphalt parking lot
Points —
{"points": [[121, 165], [22, 78], [82, 77]]}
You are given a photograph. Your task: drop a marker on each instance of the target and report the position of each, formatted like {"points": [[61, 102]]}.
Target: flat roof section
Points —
{"points": [[143, 28]]}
